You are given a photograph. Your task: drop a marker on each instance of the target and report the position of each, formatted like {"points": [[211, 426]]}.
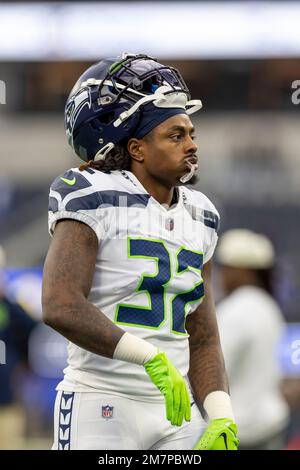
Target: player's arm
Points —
{"points": [[67, 280], [207, 370], [207, 373]]}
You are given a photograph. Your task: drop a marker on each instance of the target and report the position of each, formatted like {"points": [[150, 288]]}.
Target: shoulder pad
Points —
{"points": [[69, 182]]}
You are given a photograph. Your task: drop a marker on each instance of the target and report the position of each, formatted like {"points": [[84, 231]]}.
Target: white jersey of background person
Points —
{"points": [[250, 325], [117, 207]]}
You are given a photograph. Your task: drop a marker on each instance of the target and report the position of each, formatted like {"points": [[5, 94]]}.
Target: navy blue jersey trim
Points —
{"points": [[107, 199], [211, 220], [65, 420], [53, 204], [208, 218], [63, 188], [90, 171]]}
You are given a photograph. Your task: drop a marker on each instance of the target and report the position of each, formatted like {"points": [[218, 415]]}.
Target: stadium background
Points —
{"points": [[240, 58]]}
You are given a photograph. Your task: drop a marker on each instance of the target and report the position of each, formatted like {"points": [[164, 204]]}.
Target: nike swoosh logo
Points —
{"points": [[225, 439], [69, 182]]}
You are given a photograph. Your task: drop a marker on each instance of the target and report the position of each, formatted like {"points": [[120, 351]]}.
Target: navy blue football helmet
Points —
{"points": [[105, 105]]}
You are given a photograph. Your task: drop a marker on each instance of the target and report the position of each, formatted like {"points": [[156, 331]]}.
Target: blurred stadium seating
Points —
{"points": [[249, 140]]}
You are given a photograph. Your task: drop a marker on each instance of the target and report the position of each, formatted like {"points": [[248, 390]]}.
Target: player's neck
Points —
{"points": [[160, 191]]}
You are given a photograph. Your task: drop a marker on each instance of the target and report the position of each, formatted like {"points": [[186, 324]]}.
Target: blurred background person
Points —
{"points": [[246, 70], [250, 325], [15, 328]]}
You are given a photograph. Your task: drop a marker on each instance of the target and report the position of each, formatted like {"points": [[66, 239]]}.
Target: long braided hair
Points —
{"points": [[117, 159]]}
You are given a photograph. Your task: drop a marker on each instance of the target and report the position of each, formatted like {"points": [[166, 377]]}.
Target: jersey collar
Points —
{"points": [[134, 180]]}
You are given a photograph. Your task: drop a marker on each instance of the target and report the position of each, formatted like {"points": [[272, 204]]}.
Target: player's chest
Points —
{"points": [[166, 248], [175, 228]]}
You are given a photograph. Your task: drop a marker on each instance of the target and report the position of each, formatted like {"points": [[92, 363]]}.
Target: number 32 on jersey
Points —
{"points": [[155, 286]]}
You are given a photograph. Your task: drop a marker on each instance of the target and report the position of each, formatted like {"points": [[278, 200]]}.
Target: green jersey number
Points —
{"points": [[155, 285]]}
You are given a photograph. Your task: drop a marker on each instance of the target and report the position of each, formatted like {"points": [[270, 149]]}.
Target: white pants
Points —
{"points": [[88, 420]]}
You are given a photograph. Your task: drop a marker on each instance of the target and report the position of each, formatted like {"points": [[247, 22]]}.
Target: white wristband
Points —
{"points": [[218, 405], [130, 348]]}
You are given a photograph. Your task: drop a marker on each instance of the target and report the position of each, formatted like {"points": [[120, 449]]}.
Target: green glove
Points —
{"points": [[172, 385], [220, 434]]}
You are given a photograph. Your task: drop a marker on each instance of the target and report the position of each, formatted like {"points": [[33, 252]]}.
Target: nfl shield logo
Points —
{"points": [[169, 224], [107, 411]]}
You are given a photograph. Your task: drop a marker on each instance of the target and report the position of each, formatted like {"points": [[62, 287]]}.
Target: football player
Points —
{"points": [[127, 278]]}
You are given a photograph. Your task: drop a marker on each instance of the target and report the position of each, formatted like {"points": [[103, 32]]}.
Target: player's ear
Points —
{"points": [[135, 149]]}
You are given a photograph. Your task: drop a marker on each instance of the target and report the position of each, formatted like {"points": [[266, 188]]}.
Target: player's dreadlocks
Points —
{"points": [[117, 159]]}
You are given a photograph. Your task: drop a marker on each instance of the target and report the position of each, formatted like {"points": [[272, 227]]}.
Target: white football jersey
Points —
{"points": [[148, 271]]}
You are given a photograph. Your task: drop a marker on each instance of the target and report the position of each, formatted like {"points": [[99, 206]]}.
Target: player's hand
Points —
{"points": [[220, 434], [172, 385]]}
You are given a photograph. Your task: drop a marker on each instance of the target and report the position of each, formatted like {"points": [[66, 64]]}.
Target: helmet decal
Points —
{"points": [[73, 108]]}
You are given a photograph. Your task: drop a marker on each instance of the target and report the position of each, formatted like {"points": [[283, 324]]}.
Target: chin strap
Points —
{"points": [[101, 154], [195, 105], [164, 97]]}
